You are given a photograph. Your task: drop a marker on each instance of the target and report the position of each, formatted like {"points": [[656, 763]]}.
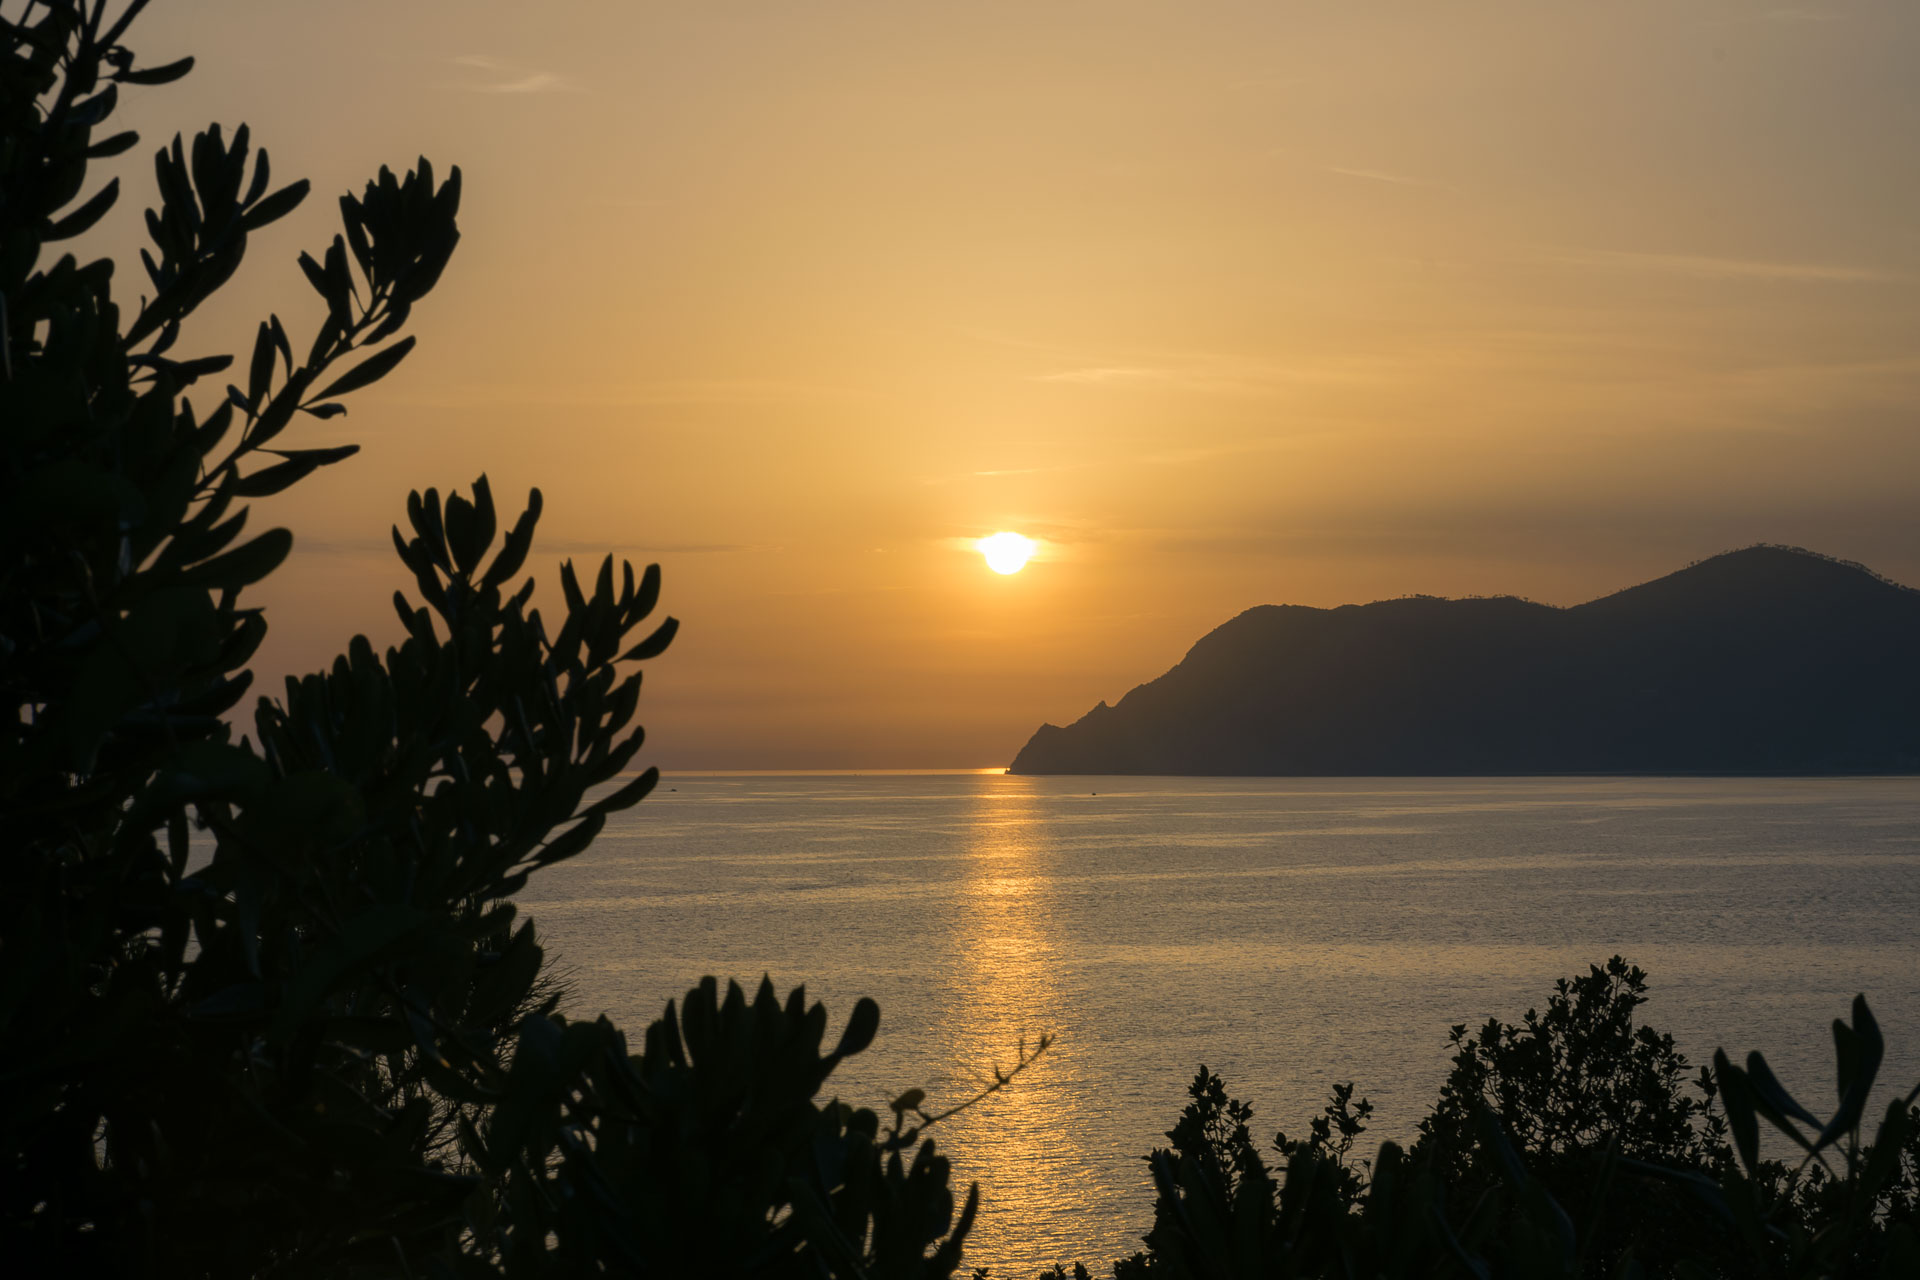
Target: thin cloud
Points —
{"points": [[1202, 372], [1778, 16], [505, 77], [1112, 462], [1034, 471], [1101, 374], [724, 391], [1197, 378], [587, 546], [1380, 175], [1207, 372], [1709, 268], [1783, 15], [383, 547]]}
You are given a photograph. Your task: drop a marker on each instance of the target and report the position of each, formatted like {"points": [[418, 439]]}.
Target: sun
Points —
{"points": [[1005, 552]]}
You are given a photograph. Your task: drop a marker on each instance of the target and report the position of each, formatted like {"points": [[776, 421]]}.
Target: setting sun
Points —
{"points": [[1006, 552]]}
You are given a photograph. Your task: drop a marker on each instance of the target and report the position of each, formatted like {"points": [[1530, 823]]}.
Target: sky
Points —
{"points": [[1222, 304]]}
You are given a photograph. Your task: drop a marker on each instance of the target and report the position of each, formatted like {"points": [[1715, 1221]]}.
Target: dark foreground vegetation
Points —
{"points": [[1576, 1143], [315, 1040], [267, 1008]]}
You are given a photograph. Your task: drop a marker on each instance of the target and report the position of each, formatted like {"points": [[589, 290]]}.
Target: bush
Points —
{"points": [[1575, 1090], [707, 1155], [325, 1046], [1566, 1146]]}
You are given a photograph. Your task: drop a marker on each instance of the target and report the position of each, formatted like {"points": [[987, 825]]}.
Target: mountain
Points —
{"points": [[1765, 660]]}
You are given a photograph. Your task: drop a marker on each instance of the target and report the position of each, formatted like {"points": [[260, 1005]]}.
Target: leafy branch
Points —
{"points": [[902, 1134]]}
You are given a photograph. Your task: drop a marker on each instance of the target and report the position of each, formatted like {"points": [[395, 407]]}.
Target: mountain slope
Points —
{"points": [[1766, 660]]}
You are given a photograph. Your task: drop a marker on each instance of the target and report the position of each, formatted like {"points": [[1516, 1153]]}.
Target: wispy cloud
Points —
{"points": [[1709, 268], [1380, 175], [1219, 374], [505, 77], [383, 547], [1781, 15], [1229, 373], [639, 394], [1121, 461], [1036, 471], [1101, 374], [620, 547]]}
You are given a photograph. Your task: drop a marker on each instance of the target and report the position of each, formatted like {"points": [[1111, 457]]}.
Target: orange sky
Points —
{"points": [[1227, 304]]}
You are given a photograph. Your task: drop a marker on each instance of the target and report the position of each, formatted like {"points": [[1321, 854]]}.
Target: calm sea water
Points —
{"points": [[1289, 933]]}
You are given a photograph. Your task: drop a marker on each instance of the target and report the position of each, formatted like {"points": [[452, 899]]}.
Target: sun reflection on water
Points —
{"points": [[1023, 1144]]}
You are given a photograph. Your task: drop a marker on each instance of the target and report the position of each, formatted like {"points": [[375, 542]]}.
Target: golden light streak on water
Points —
{"points": [[1023, 1143]]}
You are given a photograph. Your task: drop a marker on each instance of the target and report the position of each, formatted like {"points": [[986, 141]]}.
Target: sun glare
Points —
{"points": [[1006, 552]]}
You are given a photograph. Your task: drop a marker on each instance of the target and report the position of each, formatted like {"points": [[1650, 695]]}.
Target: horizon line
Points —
{"points": [[819, 773]]}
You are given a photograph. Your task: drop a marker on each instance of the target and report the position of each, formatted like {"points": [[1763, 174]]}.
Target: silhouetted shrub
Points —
{"points": [[1574, 1089], [1566, 1146], [316, 1040], [707, 1154]]}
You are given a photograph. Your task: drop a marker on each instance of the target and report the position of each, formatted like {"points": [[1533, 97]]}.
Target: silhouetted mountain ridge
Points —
{"points": [[1764, 660]]}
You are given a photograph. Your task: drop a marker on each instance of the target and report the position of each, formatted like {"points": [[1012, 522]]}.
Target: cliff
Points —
{"points": [[1765, 660]]}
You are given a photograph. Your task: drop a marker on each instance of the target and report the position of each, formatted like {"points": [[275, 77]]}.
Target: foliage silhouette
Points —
{"points": [[316, 1039], [706, 1154], [1575, 1090], [1545, 1156]]}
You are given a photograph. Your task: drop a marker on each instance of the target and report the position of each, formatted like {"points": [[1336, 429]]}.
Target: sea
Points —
{"points": [[1287, 933]]}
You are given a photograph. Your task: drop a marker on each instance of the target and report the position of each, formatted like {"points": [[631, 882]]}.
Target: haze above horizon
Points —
{"points": [[1221, 304]]}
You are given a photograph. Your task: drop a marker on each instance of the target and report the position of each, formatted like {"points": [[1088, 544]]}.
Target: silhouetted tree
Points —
{"points": [[313, 1038], [1567, 1147], [1574, 1089]]}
